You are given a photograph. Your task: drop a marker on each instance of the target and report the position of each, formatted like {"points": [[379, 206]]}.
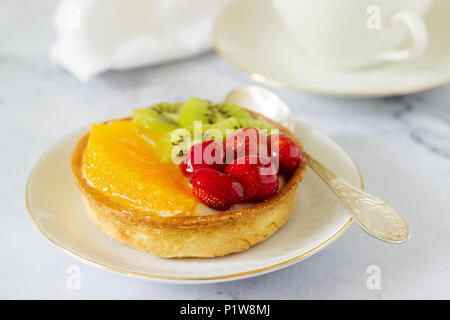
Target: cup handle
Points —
{"points": [[419, 37]]}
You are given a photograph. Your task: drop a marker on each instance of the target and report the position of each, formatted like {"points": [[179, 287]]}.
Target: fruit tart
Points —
{"points": [[193, 179]]}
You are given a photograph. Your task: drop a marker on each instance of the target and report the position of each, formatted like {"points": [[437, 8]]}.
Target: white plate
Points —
{"points": [[55, 205], [250, 35]]}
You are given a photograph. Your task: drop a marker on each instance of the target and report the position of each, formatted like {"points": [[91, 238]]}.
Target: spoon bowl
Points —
{"points": [[262, 101]]}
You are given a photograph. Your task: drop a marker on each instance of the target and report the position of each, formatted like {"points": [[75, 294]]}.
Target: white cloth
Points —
{"points": [[97, 35]]}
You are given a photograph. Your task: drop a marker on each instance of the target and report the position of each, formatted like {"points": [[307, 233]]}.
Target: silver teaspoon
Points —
{"points": [[372, 214]]}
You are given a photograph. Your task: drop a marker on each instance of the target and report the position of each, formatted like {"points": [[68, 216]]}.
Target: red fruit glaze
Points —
{"points": [[208, 154], [260, 180], [217, 190], [288, 154], [244, 142]]}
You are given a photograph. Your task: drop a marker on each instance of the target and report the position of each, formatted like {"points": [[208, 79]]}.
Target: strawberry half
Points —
{"points": [[259, 179], [217, 190], [285, 152], [207, 154]]}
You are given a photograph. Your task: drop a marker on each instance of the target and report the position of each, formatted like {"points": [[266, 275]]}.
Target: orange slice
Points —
{"points": [[124, 165]]}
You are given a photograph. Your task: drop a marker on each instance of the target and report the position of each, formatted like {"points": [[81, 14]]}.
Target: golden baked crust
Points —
{"points": [[188, 236]]}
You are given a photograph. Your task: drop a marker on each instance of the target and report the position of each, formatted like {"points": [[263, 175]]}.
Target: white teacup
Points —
{"points": [[356, 33]]}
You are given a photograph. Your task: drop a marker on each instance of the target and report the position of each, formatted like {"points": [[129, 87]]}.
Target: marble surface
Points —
{"points": [[401, 144]]}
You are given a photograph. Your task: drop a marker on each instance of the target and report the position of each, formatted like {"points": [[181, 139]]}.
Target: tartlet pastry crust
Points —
{"points": [[188, 236]]}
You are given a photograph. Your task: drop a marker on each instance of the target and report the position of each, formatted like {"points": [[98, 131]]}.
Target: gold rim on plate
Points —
{"points": [[152, 276]]}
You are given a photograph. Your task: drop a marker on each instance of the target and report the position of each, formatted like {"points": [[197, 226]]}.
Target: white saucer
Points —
{"points": [[249, 34], [55, 206]]}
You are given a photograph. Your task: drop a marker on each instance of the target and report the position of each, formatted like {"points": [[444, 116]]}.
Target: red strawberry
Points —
{"points": [[217, 190], [244, 142], [259, 178], [285, 151], [208, 154], [266, 193]]}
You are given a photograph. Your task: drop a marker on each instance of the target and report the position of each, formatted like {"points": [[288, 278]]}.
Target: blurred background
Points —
{"points": [[400, 142]]}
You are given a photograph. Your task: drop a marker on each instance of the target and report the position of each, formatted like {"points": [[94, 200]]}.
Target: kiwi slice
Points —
{"points": [[179, 125], [161, 118], [229, 110], [196, 110], [230, 125], [174, 145]]}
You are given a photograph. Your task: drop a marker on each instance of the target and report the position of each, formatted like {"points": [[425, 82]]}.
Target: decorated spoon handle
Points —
{"points": [[374, 215]]}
